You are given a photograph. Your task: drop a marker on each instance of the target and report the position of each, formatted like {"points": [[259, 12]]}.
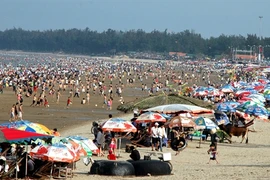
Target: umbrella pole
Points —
{"points": [[51, 171], [26, 160], [16, 169], [119, 149], [200, 141], [72, 168]]}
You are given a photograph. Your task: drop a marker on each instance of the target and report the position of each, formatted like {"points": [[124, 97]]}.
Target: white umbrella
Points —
{"points": [[175, 108], [118, 125]]}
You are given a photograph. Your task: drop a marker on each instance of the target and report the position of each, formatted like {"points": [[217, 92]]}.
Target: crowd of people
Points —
{"points": [[44, 78]]}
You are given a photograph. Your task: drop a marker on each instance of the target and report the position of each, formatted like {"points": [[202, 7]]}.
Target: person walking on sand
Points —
{"points": [[20, 111], [104, 100], [46, 102], [87, 97], [68, 102], [34, 100], [109, 103], [213, 153], [58, 94], [12, 113]]}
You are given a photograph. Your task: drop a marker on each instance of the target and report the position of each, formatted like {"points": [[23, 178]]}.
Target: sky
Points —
{"points": [[210, 18]]}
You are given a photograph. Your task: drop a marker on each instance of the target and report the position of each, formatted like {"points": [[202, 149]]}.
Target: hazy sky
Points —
{"points": [[207, 17]]}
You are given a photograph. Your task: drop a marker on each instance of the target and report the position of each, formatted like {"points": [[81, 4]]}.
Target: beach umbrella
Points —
{"points": [[242, 83], [221, 118], [177, 108], [267, 97], [118, 125], [12, 135], [233, 104], [166, 116], [227, 88], [73, 144], [257, 101], [54, 153], [259, 88], [205, 123], [28, 126], [263, 81], [87, 144], [242, 93], [225, 107], [251, 90], [266, 91], [245, 105], [150, 117], [179, 121], [200, 91], [18, 136], [257, 97], [257, 110], [215, 92]]}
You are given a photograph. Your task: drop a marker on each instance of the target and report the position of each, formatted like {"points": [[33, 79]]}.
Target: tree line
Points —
{"points": [[109, 42]]}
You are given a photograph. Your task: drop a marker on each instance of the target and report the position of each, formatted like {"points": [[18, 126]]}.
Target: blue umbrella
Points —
{"points": [[232, 103], [221, 118], [227, 88], [251, 90], [257, 110], [225, 107], [166, 116], [205, 123], [267, 97]]}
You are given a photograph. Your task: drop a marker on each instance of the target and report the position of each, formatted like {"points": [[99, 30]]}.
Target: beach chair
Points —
{"points": [[60, 172]]}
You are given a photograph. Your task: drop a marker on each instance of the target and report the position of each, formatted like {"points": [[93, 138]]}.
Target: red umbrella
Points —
{"points": [[259, 88], [16, 136], [150, 117], [243, 93]]}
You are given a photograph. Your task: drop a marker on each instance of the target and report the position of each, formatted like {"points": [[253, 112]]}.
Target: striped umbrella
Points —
{"points": [[54, 153], [118, 125], [28, 126], [150, 117]]}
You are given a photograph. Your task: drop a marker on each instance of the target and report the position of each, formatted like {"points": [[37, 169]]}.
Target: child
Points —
{"points": [[212, 152], [113, 145]]}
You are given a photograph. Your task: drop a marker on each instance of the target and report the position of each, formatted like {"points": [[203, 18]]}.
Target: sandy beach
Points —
{"points": [[236, 161]]}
